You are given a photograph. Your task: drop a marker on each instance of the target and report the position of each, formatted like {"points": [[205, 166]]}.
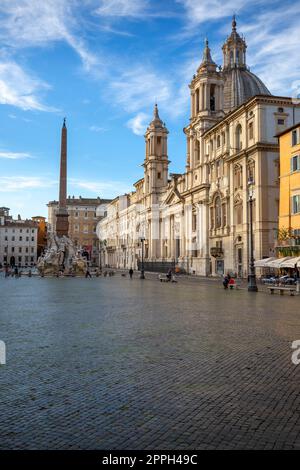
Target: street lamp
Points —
{"points": [[252, 287], [142, 276]]}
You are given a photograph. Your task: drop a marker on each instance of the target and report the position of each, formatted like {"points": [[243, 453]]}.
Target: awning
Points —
{"points": [[291, 263], [282, 263], [263, 263]]}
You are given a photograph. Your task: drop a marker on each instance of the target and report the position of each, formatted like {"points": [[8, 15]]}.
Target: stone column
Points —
{"points": [[62, 224], [201, 97], [191, 151]]}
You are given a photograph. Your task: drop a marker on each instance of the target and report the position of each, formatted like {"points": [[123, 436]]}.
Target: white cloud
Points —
{"points": [[19, 183], [273, 47], [122, 8], [15, 155], [101, 188], [138, 124], [205, 10], [37, 23], [138, 88], [97, 129], [18, 88]]}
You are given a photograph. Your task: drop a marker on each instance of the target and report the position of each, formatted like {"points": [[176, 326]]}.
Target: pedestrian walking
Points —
{"points": [[87, 274], [226, 281], [130, 273]]}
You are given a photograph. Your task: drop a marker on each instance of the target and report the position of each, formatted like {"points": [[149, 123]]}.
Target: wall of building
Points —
{"points": [[289, 182], [18, 241]]}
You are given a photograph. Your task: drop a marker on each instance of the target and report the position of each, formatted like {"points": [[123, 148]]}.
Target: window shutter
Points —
{"points": [[292, 166]]}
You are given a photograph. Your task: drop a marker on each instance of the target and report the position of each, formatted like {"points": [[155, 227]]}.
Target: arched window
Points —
{"points": [[231, 58], [218, 212], [218, 141], [238, 137]]}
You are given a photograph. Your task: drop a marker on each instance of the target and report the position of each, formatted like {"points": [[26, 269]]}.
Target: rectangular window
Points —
{"points": [[158, 175], [212, 219], [295, 139], [280, 122], [224, 218], [194, 222], [295, 163], [296, 204], [251, 130]]}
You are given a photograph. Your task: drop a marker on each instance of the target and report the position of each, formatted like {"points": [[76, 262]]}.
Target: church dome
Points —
{"points": [[240, 85]]}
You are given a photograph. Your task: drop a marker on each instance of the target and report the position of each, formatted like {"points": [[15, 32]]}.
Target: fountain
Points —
{"points": [[61, 255]]}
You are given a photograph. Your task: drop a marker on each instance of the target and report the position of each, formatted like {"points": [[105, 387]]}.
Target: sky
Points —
{"points": [[103, 64]]}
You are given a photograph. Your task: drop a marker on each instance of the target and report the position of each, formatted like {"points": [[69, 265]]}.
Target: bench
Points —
{"points": [[163, 278], [281, 290]]}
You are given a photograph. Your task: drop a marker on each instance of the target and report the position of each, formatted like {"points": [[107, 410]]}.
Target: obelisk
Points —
{"points": [[62, 222]]}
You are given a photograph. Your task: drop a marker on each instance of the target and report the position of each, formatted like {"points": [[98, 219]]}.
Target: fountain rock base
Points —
{"points": [[61, 257]]}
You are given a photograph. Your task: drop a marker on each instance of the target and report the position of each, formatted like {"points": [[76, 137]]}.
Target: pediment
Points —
{"points": [[172, 198]]}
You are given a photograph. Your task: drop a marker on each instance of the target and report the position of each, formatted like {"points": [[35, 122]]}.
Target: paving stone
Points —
{"points": [[120, 364]]}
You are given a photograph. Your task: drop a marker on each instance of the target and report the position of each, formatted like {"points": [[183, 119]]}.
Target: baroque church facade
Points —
{"points": [[199, 220]]}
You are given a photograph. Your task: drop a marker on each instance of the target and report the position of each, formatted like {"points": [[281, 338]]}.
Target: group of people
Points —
{"points": [[99, 273], [15, 272], [228, 281]]}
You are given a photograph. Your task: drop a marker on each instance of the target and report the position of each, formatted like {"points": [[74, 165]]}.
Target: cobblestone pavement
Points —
{"points": [[111, 363]]}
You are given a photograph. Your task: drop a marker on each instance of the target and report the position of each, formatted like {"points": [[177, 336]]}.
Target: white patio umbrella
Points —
{"points": [[291, 263], [280, 262], [264, 263]]}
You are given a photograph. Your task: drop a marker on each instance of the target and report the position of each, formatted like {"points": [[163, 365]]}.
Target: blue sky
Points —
{"points": [[103, 64]]}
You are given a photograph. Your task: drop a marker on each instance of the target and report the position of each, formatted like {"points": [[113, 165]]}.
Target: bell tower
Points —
{"points": [[156, 160], [206, 105], [234, 50]]}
